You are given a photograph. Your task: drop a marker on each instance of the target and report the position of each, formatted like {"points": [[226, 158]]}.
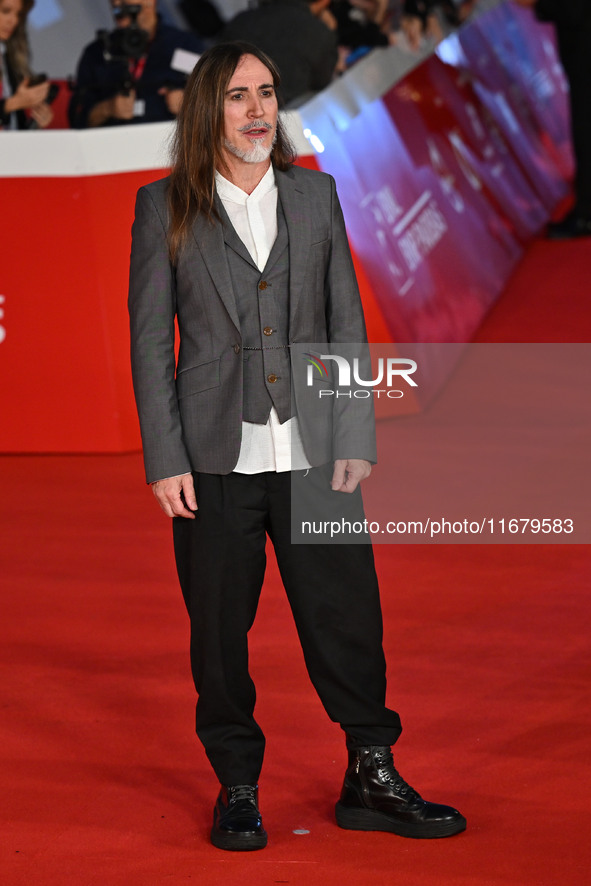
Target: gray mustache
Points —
{"points": [[258, 124]]}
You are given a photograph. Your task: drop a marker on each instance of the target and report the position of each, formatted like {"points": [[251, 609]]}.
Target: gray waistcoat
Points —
{"points": [[262, 300]]}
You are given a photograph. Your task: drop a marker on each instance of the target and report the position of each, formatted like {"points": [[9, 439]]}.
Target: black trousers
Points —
{"points": [[334, 597]]}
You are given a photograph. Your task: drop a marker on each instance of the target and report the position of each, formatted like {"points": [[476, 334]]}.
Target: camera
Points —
{"points": [[125, 44]]}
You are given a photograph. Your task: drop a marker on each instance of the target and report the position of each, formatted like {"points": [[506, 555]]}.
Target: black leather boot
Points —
{"points": [[237, 822], [376, 798]]}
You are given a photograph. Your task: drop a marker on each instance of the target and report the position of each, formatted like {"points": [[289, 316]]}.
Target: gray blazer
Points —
{"points": [[190, 408]]}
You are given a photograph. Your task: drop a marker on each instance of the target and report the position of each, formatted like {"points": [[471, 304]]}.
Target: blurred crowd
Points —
{"points": [[319, 39], [136, 71]]}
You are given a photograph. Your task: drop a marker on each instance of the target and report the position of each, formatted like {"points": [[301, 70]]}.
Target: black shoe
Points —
{"points": [[237, 822], [376, 798], [574, 225]]}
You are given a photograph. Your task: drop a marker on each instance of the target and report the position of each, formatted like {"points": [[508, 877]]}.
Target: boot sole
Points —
{"points": [[372, 820], [237, 842]]}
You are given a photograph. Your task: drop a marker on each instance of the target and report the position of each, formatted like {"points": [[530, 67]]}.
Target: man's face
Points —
{"points": [[147, 13], [250, 112]]}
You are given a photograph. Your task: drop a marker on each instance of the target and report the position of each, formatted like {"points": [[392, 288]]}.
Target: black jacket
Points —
{"points": [[564, 13], [302, 47]]}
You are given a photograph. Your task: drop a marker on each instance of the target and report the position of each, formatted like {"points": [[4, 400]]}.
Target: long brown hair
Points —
{"points": [[17, 46], [199, 138]]}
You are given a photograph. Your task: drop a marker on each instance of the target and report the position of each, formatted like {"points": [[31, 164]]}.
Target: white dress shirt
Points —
{"points": [[273, 446]]}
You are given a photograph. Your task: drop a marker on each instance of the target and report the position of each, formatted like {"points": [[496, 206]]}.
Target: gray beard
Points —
{"points": [[256, 154]]}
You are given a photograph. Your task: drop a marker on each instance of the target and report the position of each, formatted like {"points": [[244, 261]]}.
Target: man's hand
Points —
{"points": [[123, 105], [173, 99], [348, 473], [168, 494], [412, 26], [42, 115], [120, 107], [27, 96]]}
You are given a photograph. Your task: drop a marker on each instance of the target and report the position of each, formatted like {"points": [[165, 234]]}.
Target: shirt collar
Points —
{"points": [[229, 191]]}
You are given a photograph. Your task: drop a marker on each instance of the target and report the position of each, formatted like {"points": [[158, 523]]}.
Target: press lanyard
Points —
{"points": [[136, 70]]}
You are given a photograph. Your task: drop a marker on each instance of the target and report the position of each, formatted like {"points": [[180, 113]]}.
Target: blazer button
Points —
{"points": [[268, 330], [263, 284], [272, 378], [236, 349]]}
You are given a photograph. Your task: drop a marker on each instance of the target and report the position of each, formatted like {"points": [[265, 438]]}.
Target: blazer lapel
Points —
{"points": [[297, 213], [210, 240], [281, 240], [231, 237]]}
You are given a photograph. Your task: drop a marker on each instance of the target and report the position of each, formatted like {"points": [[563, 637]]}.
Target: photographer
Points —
{"points": [[135, 74], [20, 91]]}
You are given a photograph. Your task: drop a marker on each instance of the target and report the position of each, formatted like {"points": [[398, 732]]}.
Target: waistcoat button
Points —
{"points": [[263, 284], [272, 378], [268, 330]]}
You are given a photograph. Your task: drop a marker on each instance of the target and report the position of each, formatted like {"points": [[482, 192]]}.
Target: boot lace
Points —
{"points": [[388, 773], [242, 792]]}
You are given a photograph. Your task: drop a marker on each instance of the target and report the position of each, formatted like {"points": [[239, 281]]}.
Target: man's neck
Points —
{"points": [[245, 176]]}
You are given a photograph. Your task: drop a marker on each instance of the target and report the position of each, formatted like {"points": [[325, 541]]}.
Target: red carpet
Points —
{"points": [[103, 781], [548, 297]]}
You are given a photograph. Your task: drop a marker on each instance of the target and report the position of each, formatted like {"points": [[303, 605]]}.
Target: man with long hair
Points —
{"points": [[249, 253]]}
